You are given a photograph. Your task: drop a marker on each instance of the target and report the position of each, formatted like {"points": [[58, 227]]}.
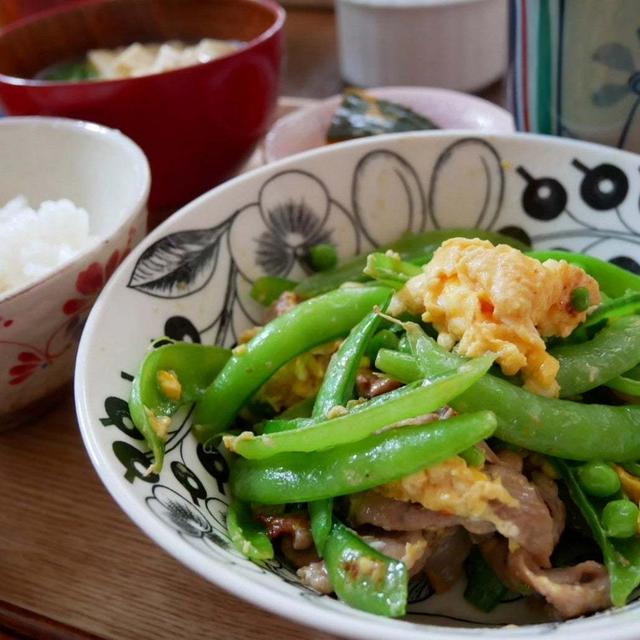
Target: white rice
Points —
{"points": [[34, 242]]}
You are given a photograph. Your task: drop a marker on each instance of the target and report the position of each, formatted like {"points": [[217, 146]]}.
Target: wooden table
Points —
{"points": [[72, 565]]}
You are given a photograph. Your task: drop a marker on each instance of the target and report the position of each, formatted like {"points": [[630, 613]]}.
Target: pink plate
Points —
{"points": [[306, 129]]}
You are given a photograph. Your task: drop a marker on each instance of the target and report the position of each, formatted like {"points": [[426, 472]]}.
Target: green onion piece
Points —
{"points": [[484, 590]]}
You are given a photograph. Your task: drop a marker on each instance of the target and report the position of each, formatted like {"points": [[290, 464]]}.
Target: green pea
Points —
{"points": [[323, 257], [580, 299], [384, 339], [598, 479], [620, 519]]}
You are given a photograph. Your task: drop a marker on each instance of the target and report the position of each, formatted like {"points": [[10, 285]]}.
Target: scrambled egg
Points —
{"points": [[454, 488], [144, 59], [494, 299], [296, 380]]}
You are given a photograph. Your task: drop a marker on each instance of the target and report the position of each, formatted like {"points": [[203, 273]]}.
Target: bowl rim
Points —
{"points": [[138, 161], [363, 626], [278, 13], [436, 94]]}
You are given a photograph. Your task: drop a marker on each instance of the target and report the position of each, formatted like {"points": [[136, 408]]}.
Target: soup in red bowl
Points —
{"points": [[198, 124]]}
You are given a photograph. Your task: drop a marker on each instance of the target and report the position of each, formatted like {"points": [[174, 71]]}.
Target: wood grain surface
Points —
{"points": [[72, 565], [69, 554]]}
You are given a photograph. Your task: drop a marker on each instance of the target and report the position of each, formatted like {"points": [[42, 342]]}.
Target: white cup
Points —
{"points": [[456, 44]]}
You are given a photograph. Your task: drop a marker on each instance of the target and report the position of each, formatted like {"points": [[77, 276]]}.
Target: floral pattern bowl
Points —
{"points": [[102, 171], [190, 280]]}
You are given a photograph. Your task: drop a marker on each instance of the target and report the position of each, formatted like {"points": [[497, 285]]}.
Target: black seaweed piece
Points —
{"points": [[361, 115]]}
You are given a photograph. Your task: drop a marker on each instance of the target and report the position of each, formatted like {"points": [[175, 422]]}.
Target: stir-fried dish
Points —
{"points": [[453, 405]]}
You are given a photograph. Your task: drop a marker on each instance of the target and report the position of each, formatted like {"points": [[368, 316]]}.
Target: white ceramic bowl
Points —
{"points": [[40, 323], [307, 128], [456, 44], [191, 278]]}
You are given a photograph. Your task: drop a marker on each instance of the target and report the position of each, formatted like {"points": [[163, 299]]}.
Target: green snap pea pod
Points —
{"points": [[307, 325], [384, 457], [302, 409], [340, 377], [561, 428], [484, 589], [473, 457], [247, 535], [632, 467], [337, 389], [384, 339], [188, 370], [621, 557], [625, 385], [417, 246], [268, 289], [613, 280], [390, 268], [399, 365], [321, 516], [278, 424], [614, 350], [363, 577], [627, 305], [400, 405]]}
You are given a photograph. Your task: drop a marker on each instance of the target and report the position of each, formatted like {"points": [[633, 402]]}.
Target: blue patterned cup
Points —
{"points": [[574, 69]]}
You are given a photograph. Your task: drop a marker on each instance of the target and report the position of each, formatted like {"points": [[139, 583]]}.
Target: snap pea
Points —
{"points": [[340, 377], [626, 305], [390, 268], [384, 339], [400, 365], [188, 368], [473, 457], [418, 246], [621, 557], [613, 280], [400, 405], [363, 577], [337, 389], [268, 289], [321, 516], [632, 467], [625, 385], [561, 428], [614, 350], [249, 537], [384, 457], [281, 340]]}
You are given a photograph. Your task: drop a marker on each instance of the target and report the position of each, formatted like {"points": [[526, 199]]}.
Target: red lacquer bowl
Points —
{"points": [[197, 125]]}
